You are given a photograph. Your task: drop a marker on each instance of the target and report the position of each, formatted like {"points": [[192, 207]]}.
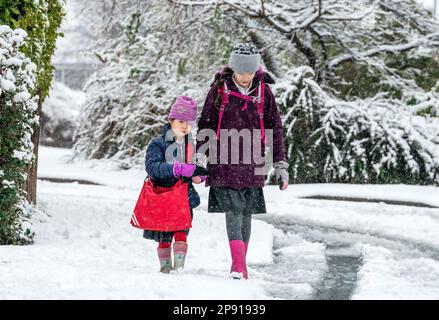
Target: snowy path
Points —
{"points": [[301, 249], [372, 250], [87, 249]]}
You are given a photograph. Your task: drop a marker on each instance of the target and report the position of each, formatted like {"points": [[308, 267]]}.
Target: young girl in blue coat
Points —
{"points": [[164, 174]]}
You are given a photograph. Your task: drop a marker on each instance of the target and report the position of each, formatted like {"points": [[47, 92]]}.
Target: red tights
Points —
{"points": [[178, 236]]}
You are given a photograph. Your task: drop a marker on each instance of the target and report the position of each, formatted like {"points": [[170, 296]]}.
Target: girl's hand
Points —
{"points": [[196, 179], [183, 169], [199, 179]]}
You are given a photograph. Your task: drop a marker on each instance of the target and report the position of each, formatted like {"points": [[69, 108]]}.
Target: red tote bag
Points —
{"points": [[162, 209]]}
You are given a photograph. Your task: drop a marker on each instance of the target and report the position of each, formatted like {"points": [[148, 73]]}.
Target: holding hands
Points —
{"points": [[199, 179]]}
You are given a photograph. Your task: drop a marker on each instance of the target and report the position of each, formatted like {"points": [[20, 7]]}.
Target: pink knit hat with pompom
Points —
{"points": [[184, 108]]}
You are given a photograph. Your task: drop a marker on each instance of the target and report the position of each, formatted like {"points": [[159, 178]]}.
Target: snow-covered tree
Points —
{"points": [[18, 107], [363, 141], [379, 141], [352, 114], [427, 103], [150, 54], [355, 54]]}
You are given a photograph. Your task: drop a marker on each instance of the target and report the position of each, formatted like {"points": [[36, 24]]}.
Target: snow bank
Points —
{"points": [[384, 275], [397, 192], [418, 226], [57, 163]]}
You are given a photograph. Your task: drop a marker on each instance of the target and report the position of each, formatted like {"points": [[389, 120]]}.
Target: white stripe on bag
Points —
{"points": [[135, 220]]}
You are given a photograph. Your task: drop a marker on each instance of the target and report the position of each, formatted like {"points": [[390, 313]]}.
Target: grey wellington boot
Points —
{"points": [[180, 250], [165, 259]]}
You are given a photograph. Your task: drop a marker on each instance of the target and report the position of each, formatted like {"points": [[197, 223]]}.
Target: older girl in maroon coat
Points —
{"points": [[240, 98]]}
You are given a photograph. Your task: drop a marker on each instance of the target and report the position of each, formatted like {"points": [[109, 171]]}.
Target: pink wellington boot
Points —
{"points": [[246, 250], [239, 265]]}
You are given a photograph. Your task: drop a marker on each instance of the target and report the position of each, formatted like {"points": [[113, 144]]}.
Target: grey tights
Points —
{"points": [[238, 226]]}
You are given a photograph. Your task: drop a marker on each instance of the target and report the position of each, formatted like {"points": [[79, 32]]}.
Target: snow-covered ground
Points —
{"points": [[86, 248]]}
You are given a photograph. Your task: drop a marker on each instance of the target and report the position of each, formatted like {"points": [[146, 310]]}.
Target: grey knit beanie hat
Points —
{"points": [[245, 58]]}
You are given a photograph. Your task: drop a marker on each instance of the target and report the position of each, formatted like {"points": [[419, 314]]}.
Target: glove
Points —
{"points": [[188, 170], [183, 169], [200, 171], [280, 172]]}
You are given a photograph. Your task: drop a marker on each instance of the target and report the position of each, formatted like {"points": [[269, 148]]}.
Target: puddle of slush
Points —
{"points": [[339, 281]]}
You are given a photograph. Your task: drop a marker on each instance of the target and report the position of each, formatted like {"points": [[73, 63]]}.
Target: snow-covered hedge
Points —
{"points": [[378, 140], [18, 106]]}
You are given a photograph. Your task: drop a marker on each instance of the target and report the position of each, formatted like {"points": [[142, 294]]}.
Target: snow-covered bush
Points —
{"points": [[376, 140], [301, 102], [60, 113], [18, 119], [380, 141], [427, 103]]}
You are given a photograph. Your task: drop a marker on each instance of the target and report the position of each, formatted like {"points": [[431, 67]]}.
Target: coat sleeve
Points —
{"points": [[155, 162], [209, 114], [273, 121]]}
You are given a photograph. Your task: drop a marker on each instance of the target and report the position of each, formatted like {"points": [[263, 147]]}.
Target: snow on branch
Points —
{"points": [[425, 41]]}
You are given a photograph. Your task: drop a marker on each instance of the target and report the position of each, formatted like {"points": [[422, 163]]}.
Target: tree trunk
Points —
{"points": [[31, 183]]}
